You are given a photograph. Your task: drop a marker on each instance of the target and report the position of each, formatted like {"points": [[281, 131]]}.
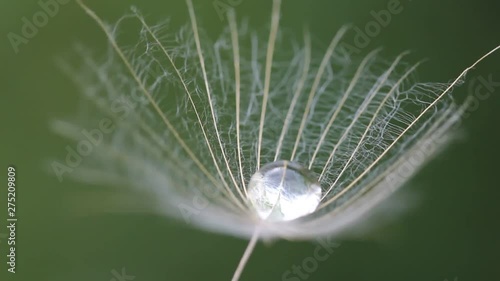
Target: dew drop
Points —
{"points": [[283, 190]]}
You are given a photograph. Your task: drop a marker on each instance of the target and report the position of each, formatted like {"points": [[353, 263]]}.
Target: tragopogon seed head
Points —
{"points": [[218, 130]]}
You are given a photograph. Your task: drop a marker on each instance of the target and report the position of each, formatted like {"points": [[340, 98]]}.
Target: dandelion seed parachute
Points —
{"points": [[252, 136], [195, 119]]}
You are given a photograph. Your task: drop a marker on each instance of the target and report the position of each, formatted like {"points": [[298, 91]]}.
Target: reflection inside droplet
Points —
{"points": [[284, 190]]}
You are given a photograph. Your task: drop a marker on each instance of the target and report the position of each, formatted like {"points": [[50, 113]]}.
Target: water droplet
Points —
{"points": [[283, 190]]}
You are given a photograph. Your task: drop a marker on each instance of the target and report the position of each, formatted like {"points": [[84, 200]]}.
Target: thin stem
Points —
{"points": [[267, 79], [227, 189], [317, 79], [197, 41], [237, 82], [371, 95], [347, 93], [446, 91], [145, 91], [298, 91], [368, 127], [246, 255]]}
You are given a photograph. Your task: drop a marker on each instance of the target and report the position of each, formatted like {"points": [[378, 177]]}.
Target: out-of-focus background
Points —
{"points": [[452, 234]]}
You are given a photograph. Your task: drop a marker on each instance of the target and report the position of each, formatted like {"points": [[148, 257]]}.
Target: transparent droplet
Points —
{"points": [[283, 190]]}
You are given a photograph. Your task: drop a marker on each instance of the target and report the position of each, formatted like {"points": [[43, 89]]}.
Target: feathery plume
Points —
{"points": [[259, 138]]}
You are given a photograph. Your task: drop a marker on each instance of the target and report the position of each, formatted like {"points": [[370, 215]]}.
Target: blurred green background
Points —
{"points": [[452, 233]]}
